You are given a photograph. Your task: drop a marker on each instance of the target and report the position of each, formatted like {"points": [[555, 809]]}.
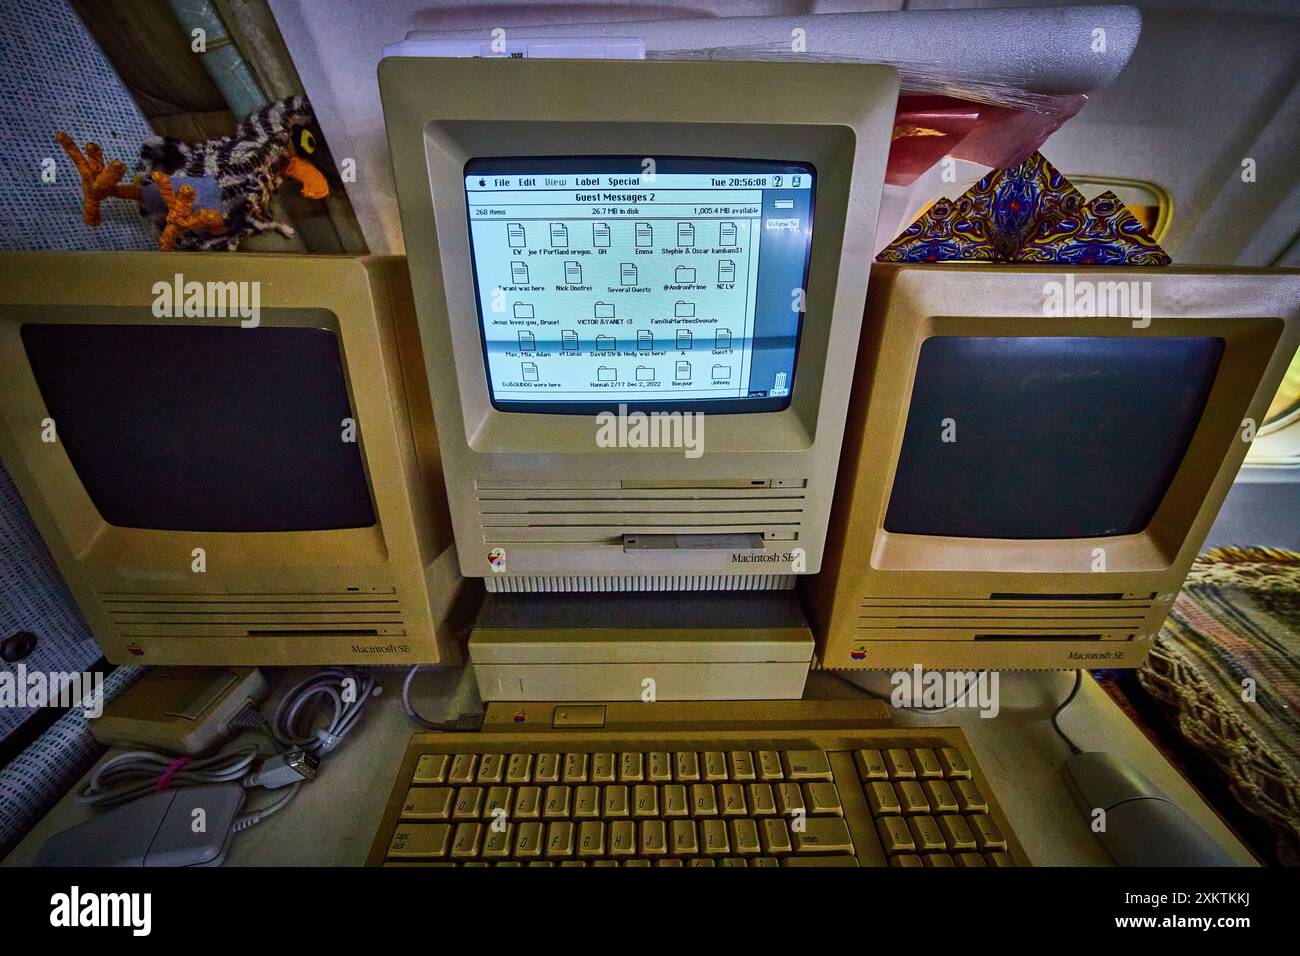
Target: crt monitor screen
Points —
{"points": [[1043, 437], [607, 281], [204, 428]]}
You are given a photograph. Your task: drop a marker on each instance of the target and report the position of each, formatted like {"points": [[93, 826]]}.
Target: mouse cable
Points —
{"points": [[343, 692], [1078, 682], [461, 723]]}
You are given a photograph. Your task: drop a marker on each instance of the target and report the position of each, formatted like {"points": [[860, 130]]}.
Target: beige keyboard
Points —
{"points": [[770, 783]]}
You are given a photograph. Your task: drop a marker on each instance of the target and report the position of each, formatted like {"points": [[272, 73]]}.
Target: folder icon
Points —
{"points": [[684, 310], [684, 274], [627, 274], [645, 340], [572, 272], [600, 234], [604, 310], [519, 273], [515, 235], [726, 270], [685, 234], [645, 236], [683, 371], [722, 371], [644, 373], [523, 310], [727, 234], [569, 340], [530, 371], [527, 341], [722, 339], [559, 235], [606, 374], [605, 343], [684, 338]]}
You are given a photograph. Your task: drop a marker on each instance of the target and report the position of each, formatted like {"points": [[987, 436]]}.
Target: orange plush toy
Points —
{"points": [[98, 182], [181, 217]]}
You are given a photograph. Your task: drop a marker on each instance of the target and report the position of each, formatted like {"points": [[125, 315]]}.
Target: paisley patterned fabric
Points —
{"points": [[1026, 213]]}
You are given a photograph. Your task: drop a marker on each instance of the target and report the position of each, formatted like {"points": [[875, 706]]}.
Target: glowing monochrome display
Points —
{"points": [[601, 281]]}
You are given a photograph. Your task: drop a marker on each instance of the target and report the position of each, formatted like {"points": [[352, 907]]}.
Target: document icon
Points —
{"points": [[683, 372], [572, 272], [644, 373], [626, 274], [523, 310], [722, 339], [527, 341], [645, 340], [569, 340], [684, 274], [530, 371], [727, 234], [645, 236], [604, 310], [722, 371], [684, 310], [600, 234], [726, 270], [606, 374], [519, 273], [559, 235], [515, 235], [685, 234], [605, 343], [684, 338]]}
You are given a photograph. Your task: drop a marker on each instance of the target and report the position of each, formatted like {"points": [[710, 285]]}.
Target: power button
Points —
{"points": [[579, 715]]}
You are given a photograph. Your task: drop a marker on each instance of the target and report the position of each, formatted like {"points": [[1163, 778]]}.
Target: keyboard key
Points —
{"points": [[556, 805], [895, 835], [912, 797], [528, 803], [645, 800], [431, 768], [715, 766], [999, 859], [548, 769], [591, 838], [775, 837], [469, 803], [685, 842], [956, 833], [765, 861], [713, 837], [602, 768], [927, 764], [968, 798], [744, 837], [466, 841], [969, 859], [622, 838], [604, 862], [496, 844], [654, 838], [987, 834], [575, 768], [899, 763], [927, 833], [687, 766], [822, 799], [497, 803], [807, 765], [615, 802], [427, 803], [704, 800], [821, 861], [882, 797], [701, 861], [732, 797], [420, 841], [789, 799], [670, 862], [559, 839], [940, 795], [954, 764], [462, 768], [762, 802], [528, 841], [905, 859], [938, 860], [740, 764], [638, 863], [732, 861], [631, 767], [519, 769], [491, 768], [674, 801], [573, 863], [586, 803], [660, 767], [871, 765], [769, 765]]}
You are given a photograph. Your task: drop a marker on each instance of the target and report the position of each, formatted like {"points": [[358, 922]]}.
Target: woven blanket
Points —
{"points": [[1226, 665]]}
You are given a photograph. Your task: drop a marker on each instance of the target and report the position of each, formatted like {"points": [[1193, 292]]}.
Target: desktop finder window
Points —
{"points": [[607, 281]]}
